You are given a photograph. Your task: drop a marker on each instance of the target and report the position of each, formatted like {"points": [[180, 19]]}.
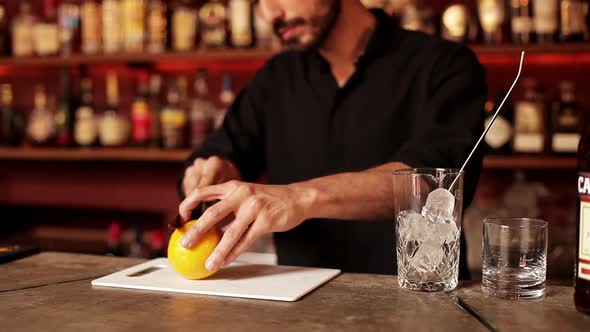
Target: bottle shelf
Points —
{"points": [[530, 162], [94, 154], [178, 156], [576, 53]]}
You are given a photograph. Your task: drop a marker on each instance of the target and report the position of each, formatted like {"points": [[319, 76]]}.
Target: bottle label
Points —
{"points": [[241, 23], [140, 122], [584, 244], [500, 133], [566, 142], [545, 12]]}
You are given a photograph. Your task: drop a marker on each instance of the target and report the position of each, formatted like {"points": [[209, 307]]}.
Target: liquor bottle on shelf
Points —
{"points": [[521, 21], [137, 248], [113, 129], [46, 31], [22, 30], [41, 125], [85, 128], [112, 29], [212, 18], [69, 25], [491, 19], [265, 38], [417, 16], [499, 137], [90, 13], [202, 110], [157, 28], [458, 24], [4, 31], [226, 98], [114, 247], [141, 114], [64, 116], [173, 120], [582, 270], [155, 86], [12, 122], [573, 20], [184, 26], [133, 25], [566, 120], [240, 19], [529, 124], [545, 20], [157, 244]]}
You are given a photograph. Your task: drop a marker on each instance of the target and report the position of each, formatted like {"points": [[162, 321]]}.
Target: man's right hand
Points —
{"points": [[207, 172]]}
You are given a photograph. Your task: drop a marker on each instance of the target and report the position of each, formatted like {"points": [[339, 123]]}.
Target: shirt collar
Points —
{"points": [[381, 37]]}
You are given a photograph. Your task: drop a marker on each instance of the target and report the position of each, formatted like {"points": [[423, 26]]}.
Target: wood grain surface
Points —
{"points": [[351, 302]]}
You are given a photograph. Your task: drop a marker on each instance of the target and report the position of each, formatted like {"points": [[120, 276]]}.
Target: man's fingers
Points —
{"points": [[210, 170], [233, 234], [256, 230], [190, 181], [203, 195], [210, 217]]}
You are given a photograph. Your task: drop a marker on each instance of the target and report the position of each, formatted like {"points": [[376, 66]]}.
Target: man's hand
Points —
{"points": [[206, 172], [258, 209]]}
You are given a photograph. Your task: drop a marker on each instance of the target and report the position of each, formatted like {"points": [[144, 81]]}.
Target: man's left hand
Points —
{"points": [[256, 209]]}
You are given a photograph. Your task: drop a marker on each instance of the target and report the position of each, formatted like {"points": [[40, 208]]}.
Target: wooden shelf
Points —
{"points": [[178, 156], [549, 53], [105, 154], [530, 162], [118, 58]]}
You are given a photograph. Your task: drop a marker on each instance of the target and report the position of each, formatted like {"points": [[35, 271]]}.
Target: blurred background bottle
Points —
{"points": [[12, 122]]}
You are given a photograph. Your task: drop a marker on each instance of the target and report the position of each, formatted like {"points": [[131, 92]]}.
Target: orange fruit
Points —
{"points": [[190, 263]]}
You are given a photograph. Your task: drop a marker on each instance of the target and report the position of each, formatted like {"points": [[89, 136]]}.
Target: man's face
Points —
{"points": [[300, 24]]}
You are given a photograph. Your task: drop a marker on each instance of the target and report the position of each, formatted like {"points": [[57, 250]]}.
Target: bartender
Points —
{"points": [[352, 98]]}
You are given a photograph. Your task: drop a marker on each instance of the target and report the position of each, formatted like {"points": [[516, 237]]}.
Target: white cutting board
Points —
{"points": [[240, 279]]}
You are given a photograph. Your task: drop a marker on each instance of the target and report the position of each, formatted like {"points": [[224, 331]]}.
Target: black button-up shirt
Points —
{"points": [[412, 98]]}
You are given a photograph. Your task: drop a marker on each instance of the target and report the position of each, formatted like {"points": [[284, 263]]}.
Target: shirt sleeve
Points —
{"points": [[450, 118], [240, 139]]}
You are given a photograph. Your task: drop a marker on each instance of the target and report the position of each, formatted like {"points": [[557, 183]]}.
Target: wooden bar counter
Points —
{"points": [[52, 292]]}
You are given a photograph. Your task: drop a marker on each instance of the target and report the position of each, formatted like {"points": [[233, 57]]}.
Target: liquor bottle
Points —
{"points": [[240, 19], [157, 244], [173, 120], [566, 120], [133, 25], [12, 123], [46, 31], [529, 121], [417, 16], [213, 17], [155, 107], [41, 126], [582, 274], [22, 31], [112, 29], [91, 26], [113, 128], [458, 24], [4, 31], [114, 240], [521, 21], [265, 38], [64, 116], [573, 20], [141, 114], [202, 110], [491, 18], [85, 128], [499, 137], [226, 98], [545, 20], [184, 26], [69, 25], [136, 248], [156, 26]]}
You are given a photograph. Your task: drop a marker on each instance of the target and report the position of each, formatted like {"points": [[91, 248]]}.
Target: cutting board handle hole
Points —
{"points": [[145, 271]]}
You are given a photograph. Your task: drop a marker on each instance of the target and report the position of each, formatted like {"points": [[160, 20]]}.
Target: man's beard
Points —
{"points": [[326, 23]]}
